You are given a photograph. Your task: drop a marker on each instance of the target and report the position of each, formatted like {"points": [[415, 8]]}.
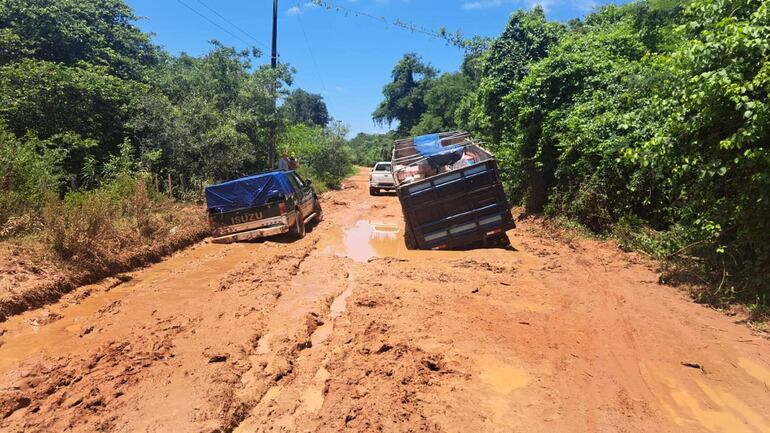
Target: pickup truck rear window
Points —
{"points": [[382, 167]]}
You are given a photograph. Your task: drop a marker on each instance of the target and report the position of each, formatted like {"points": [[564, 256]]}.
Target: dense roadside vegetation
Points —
{"points": [[101, 131], [648, 121], [368, 149]]}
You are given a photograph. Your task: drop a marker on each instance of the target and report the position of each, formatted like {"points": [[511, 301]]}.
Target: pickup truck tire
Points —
{"points": [[319, 216], [374, 191], [298, 231]]}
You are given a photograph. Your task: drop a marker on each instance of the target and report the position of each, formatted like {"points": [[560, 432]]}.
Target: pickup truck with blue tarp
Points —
{"points": [[262, 205], [450, 192]]}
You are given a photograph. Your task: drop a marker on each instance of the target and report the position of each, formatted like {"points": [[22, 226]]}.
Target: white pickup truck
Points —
{"points": [[381, 178]]}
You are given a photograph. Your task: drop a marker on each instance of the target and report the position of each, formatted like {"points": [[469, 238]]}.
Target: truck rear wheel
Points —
{"points": [[500, 241], [319, 216], [298, 231], [374, 191]]}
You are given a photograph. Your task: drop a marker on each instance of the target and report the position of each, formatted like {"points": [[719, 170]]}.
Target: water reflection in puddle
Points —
{"points": [[365, 240]]}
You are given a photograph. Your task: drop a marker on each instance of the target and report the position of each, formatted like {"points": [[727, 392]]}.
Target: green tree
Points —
{"points": [[714, 143], [99, 32], [55, 101], [441, 102], [405, 94], [29, 172], [368, 149], [214, 116], [531, 114], [322, 152], [526, 39], [305, 107]]}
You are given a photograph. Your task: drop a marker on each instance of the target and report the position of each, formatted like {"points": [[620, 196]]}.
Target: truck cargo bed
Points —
{"points": [[463, 205]]}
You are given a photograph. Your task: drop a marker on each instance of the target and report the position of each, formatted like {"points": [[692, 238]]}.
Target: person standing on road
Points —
{"points": [[283, 163], [293, 162]]}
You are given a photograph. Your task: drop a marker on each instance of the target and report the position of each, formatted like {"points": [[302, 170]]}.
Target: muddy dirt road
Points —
{"points": [[345, 330]]}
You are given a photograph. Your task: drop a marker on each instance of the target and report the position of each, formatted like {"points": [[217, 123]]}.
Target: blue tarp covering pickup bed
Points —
{"points": [[430, 147], [247, 192]]}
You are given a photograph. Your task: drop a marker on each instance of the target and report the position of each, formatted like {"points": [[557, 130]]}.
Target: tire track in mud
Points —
{"points": [[295, 342]]}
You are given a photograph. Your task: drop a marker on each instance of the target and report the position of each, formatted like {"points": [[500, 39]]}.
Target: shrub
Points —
{"points": [[322, 152], [93, 228], [29, 172]]}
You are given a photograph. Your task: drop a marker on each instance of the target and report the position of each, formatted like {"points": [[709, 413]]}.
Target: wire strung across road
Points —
{"points": [[215, 23], [233, 24], [310, 50], [455, 38]]}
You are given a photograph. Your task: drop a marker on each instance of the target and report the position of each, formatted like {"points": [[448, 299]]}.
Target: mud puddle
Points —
{"points": [[369, 239], [337, 308], [167, 283], [502, 378], [365, 240], [313, 397]]}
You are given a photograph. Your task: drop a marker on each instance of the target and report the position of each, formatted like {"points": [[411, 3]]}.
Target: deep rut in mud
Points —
{"points": [[346, 330]]}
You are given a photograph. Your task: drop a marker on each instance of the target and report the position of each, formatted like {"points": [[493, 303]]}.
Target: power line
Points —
{"points": [[310, 50], [455, 38], [233, 24], [213, 22]]}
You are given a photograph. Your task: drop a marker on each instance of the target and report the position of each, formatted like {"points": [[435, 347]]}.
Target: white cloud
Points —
{"points": [[486, 4], [294, 10]]}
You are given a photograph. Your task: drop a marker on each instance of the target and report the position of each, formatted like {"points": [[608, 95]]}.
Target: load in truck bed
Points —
{"points": [[450, 192], [247, 192]]}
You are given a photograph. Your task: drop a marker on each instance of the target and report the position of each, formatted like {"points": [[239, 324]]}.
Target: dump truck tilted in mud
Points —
{"points": [[450, 192]]}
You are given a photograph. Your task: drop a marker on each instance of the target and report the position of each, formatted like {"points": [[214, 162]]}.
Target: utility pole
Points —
{"points": [[274, 59], [274, 65]]}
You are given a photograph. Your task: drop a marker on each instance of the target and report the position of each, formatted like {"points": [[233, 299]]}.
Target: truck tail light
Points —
{"points": [[282, 207]]}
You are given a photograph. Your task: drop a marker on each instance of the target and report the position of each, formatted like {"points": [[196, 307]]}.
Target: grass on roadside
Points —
{"points": [[108, 228]]}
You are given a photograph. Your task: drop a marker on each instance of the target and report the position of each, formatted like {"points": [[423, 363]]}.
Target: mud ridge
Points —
{"points": [[50, 292]]}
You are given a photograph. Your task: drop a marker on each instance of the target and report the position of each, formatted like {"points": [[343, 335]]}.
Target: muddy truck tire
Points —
{"points": [[319, 216], [298, 230]]}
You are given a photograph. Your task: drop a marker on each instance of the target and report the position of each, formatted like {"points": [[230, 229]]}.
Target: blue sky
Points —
{"points": [[344, 57]]}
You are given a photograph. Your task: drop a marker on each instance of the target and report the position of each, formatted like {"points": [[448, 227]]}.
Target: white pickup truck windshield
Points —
{"points": [[382, 167]]}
